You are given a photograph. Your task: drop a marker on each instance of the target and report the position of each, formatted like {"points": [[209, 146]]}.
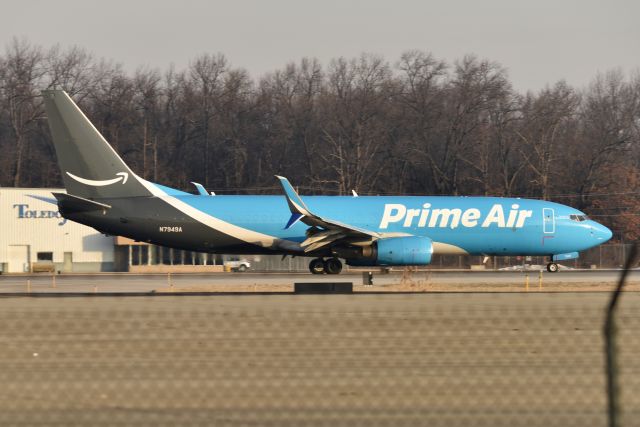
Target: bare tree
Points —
{"points": [[356, 129], [509, 164], [203, 88], [546, 126], [609, 114], [70, 69], [147, 98], [465, 98], [233, 127], [19, 91], [420, 96], [484, 105], [289, 102]]}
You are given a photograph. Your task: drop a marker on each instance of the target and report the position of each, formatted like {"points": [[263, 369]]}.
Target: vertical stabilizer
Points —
{"points": [[89, 166]]}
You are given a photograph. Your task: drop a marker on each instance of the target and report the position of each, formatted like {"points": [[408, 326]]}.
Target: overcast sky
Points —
{"points": [[538, 41]]}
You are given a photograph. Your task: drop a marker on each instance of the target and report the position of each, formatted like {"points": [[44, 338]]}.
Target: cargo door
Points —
{"points": [[548, 221], [18, 259]]}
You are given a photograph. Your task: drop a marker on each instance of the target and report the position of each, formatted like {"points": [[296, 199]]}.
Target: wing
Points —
{"points": [[327, 231]]}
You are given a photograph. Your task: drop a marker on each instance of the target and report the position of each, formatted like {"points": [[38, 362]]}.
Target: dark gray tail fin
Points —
{"points": [[89, 166]]}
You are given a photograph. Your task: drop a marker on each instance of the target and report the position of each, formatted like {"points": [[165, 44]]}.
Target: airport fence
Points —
{"points": [[431, 359]]}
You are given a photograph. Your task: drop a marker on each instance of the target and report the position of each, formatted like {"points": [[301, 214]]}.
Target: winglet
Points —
{"points": [[300, 212], [297, 207], [201, 190], [293, 199]]}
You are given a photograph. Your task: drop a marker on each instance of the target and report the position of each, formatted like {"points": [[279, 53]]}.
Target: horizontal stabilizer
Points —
{"points": [[69, 204], [44, 199]]}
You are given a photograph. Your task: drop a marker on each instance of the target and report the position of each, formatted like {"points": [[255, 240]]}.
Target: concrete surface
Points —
{"points": [[587, 280], [448, 359]]}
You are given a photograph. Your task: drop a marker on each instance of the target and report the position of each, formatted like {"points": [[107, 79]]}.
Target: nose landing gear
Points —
{"points": [[552, 267], [329, 266]]}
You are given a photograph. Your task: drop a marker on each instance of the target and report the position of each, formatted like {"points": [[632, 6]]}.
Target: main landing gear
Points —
{"points": [[328, 266], [552, 267]]}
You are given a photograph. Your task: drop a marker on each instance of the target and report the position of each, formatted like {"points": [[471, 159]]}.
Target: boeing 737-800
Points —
{"points": [[104, 193]]}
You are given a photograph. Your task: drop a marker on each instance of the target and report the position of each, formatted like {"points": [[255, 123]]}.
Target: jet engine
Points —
{"points": [[392, 251]]}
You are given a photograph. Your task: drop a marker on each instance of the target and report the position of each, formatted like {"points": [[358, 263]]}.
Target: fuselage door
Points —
{"points": [[548, 221]]}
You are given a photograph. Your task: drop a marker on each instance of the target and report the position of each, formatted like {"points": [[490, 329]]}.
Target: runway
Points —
{"points": [[441, 359], [422, 281]]}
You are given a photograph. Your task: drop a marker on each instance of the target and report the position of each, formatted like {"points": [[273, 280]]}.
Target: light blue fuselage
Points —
{"points": [[473, 225]]}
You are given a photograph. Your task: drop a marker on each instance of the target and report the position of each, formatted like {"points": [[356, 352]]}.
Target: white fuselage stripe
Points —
{"points": [[246, 235], [254, 237]]}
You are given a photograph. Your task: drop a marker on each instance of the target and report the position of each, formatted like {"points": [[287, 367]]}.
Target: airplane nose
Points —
{"points": [[601, 232]]}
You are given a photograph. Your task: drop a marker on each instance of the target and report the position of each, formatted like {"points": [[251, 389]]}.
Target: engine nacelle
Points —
{"points": [[409, 250]]}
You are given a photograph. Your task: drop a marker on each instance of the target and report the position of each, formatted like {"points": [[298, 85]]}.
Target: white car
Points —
{"points": [[237, 264]]}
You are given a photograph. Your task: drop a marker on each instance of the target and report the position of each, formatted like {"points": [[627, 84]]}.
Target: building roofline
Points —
{"points": [[32, 188]]}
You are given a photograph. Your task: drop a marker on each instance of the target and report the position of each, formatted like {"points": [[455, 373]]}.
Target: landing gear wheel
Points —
{"points": [[332, 266], [552, 267], [316, 266]]}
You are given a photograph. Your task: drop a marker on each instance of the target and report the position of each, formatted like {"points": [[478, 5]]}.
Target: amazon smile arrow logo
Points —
{"points": [[123, 176]]}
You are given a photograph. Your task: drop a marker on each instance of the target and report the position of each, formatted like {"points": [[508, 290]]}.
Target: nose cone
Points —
{"points": [[601, 233]]}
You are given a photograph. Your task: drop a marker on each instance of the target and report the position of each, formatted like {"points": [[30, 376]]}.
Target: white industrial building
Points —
{"points": [[34, 237]]}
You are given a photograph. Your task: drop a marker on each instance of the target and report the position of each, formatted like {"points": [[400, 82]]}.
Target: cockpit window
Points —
{"points": [[578, 218]]}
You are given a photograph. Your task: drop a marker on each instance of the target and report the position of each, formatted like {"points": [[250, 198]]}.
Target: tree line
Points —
{"points": [[417, 125]]}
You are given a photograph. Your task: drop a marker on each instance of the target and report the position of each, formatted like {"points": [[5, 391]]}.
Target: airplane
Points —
{"points": [[104, 193]]}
